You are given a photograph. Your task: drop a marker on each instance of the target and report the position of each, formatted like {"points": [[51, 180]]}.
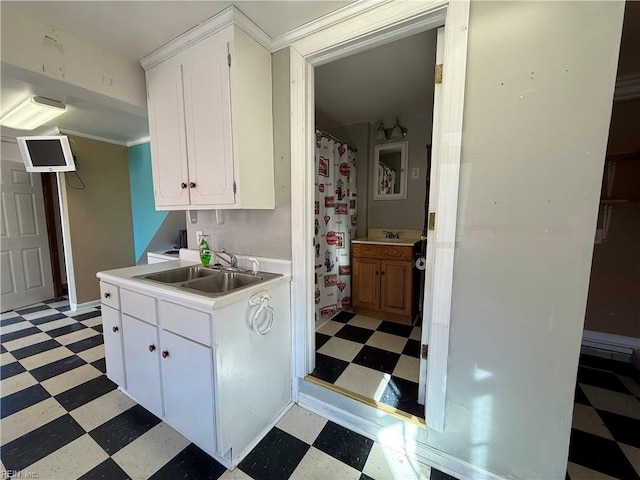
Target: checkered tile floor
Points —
{"points": [[374, 359], [379, 360], [61, 418], [605, 438]]}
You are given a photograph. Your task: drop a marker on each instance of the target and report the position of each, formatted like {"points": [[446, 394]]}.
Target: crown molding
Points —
{"points": [[331, 18], [229, 16], [88, 136], [138, 141], [627, 88]]}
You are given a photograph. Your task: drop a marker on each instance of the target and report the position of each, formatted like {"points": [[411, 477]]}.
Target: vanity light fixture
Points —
{"points": [[32, 113], [398, 131], [393, 133]]}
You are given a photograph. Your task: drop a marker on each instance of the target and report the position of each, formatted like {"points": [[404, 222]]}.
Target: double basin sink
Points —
{"points": [[209, 281]]}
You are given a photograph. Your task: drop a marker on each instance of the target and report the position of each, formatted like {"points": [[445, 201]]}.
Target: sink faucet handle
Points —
{"points": [[256, 265]]}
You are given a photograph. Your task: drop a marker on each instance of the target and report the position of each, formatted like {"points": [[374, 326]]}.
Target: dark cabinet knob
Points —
{"points": [[183, 185], [114, 329], [165, 354], [192, 184], [152, 348], [107, 295], [382, 273]]}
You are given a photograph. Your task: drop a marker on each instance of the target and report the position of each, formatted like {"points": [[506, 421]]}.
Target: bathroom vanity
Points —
{"points": [[208, 352], [384, 278]]}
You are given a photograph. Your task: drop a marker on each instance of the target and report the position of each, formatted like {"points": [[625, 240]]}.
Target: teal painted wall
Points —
{"points": [[146, 219]]}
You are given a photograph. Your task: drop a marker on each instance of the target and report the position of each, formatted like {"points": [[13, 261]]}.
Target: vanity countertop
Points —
{"points": [[409, 242]]}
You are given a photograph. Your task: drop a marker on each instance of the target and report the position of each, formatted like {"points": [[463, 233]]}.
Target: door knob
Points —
{"points": [[192, 184], [152, 348], [114, 329], [183, 185], [165, 354], [107, 295]]}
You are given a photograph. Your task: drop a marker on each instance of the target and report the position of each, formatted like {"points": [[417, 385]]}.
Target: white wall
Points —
{"points": [[265, 233], [538, 95]]}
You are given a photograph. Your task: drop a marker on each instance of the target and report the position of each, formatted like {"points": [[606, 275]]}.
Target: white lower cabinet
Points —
{"points": [[142, 364], [206, 373], [112, 333], [187, 377]]}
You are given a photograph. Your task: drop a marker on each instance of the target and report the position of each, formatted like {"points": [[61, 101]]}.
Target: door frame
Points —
{"points": [[383, 23]]}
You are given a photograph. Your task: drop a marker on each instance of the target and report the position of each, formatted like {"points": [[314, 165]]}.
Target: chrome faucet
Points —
{"points": [[231, 259]]}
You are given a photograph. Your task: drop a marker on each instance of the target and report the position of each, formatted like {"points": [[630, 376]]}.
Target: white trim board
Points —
{"points": [[386, 22], [610, 341]]}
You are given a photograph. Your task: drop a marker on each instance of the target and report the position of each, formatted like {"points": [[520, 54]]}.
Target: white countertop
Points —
{"points": [[409, 242], [124, 277]]}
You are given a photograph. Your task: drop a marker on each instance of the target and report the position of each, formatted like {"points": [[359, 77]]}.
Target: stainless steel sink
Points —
{"points": [[212, 282], [180, 274], [224, 282]]}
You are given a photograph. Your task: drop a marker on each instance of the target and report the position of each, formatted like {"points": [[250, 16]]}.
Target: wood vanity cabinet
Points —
{"points": [[210, 121], [383, 281]]}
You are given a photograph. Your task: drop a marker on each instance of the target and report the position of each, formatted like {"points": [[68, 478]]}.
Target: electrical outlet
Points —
{"points": [[198, 234], [415, 172]]}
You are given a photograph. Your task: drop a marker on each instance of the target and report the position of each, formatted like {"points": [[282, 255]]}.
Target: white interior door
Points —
{"points": [[24, 251], [433, 201]]}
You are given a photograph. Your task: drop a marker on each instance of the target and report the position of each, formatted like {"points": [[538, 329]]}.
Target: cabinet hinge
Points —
{"points": [[432, 220], [438, 74], [234, 187], [229, 59], [424, 351]]}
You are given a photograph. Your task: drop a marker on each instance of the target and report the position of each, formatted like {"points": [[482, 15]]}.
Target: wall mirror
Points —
{"points": [[390, 171]]}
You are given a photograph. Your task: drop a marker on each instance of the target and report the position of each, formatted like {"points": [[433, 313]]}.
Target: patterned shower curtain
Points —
{"points": [[387, 178], [335, 224]]}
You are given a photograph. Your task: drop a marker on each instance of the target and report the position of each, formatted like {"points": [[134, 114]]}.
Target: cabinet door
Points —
{"points": [[207, 98], [366, 283], [167, 131], [396, 287], [113, 351], [142, 366], [187, 379]]}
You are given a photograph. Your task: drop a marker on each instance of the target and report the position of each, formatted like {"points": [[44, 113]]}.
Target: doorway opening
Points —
{"points": [[369, 289], [384, 23]]}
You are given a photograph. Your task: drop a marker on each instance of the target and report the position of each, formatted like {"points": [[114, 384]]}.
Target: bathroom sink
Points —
{"points": [[212, 282], [179, 274]]}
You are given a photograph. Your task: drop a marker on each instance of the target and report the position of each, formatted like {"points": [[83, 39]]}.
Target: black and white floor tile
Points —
{"points": [[605, 434], [376, 360], [61, 418]]}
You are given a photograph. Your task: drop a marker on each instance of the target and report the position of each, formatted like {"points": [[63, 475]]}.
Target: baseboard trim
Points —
{"points": [[609, 342], [81, 306]]}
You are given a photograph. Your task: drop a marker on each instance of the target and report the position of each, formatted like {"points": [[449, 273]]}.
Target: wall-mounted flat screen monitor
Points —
{"points": [[46, 153]]}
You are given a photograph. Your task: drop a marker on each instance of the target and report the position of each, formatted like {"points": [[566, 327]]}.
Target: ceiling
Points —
{"points": [[130, 29], [393, 79]]}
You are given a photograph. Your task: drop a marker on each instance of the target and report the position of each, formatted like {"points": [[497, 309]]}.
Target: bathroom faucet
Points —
{"points": [[231, 259]]}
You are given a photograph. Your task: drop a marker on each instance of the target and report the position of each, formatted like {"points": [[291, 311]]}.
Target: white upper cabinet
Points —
{"points": [[210, 120]]}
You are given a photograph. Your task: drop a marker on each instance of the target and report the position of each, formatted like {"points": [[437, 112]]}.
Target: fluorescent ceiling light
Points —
{"points": [[32, 113]]}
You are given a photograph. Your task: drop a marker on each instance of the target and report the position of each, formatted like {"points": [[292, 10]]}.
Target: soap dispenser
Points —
{"points": [[205, 250]]}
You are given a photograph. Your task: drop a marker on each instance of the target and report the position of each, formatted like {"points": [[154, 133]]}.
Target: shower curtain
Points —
{"points": [[387, 178], [334, 224]]}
